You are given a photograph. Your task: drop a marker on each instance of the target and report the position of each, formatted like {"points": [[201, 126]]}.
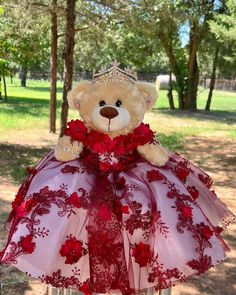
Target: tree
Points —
{"points": [[167, 20], [6, 69], [23, 37], [223, 37], [53, 71], [213, 77], [68, 61], [223, 26]]}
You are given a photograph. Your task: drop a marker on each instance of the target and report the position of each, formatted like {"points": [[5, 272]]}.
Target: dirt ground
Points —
{"points": [[215, 155]]}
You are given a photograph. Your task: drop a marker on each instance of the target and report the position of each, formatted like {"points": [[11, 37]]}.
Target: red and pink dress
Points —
{"points": [[111, 222]]}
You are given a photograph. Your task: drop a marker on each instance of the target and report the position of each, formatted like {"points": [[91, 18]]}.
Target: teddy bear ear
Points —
{"points": [[75, 94], [149, 93]]}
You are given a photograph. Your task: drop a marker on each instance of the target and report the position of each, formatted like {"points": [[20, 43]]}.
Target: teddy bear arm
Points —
{"points": [[154, 153], [67, 150]]}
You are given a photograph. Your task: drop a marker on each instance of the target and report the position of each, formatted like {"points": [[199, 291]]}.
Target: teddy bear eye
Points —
{"points": [[118, 103], [102, 103]]}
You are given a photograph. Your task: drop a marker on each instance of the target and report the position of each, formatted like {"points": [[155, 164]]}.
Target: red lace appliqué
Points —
{"points": [[200, 232]]}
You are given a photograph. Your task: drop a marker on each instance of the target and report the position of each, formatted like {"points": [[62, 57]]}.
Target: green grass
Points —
{"points": [[27, 108], [25, 114], [220, 121], [222, 101]]}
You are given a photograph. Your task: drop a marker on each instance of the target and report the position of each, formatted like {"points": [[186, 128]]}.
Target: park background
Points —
{"points": [[47, 45]]}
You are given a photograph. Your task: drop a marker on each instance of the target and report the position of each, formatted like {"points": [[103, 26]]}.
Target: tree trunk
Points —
{"points": [[190, 101], [175, 69], [68, 61], [23, 76], [213, 79], [191, 94], [5, 87], [53, 74], [170, 93]]}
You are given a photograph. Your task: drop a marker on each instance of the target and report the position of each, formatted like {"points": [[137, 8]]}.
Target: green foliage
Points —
{"points": [[7, 68], [224, 29], [22, 36], [224, 25]]}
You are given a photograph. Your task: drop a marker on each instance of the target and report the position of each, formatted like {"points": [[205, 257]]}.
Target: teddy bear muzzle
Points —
{"points": [[109, 112]]}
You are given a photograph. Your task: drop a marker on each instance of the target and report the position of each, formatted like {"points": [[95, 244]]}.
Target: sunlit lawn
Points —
{"points": [[27, 109]]}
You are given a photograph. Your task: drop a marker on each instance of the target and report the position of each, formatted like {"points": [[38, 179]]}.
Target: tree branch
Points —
{"points": [[76, 30]]}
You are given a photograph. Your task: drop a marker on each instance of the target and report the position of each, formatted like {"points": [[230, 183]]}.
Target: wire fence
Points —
{"points": [[220, 83]]}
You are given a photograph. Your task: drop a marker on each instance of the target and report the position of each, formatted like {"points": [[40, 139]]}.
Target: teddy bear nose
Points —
{"points": [[109, 112]]}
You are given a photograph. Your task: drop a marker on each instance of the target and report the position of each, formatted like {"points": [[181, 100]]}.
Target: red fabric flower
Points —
{"points": [[143, 134], [120, 145], [142, 254], [72, 249], [85, 288], [120, 183], [76, 130], [186, 211], [193, 192], [154, 175], [74, 200], [98, 142], [104, 213], [205, 231], [17, 201], [104, 166], [26, 244], [173, 193], [25, 207], [125, 209], [181, 173]]}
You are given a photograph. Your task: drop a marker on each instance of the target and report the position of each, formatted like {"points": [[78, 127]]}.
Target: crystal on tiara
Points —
{"points": [[115, 74]]}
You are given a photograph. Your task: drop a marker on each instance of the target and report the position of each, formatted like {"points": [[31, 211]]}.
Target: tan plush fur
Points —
{"points": [[155, 154], [66, 150], [136, 98]]}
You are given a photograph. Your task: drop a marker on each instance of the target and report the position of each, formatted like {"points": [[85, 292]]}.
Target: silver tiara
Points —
{"points": [[115, 74]]}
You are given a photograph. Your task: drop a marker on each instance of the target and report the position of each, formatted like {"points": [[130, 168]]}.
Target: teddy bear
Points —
{"points": [[114, 108], [110, 210]]}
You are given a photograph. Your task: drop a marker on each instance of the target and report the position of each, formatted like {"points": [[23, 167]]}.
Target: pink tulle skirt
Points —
{"points": [[145, 227]]}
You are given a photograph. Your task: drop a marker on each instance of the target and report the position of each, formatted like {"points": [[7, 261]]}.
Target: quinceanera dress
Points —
{"points": [[111, 222]]}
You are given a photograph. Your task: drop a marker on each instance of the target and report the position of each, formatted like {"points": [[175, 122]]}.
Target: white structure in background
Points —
{"points": [[162, 81]]}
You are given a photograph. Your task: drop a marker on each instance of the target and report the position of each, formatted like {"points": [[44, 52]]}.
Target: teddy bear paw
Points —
{"points": [[154, 153], [66, 150]]}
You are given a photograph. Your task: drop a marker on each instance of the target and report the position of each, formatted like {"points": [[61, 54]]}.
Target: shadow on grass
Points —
{"points": [[14, 159], [26, 106], [173, 142], [215, 156], [228, 117], [44, 89]]}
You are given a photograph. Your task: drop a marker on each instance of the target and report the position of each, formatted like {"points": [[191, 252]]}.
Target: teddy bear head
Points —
{"points": [[112, 106]]}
